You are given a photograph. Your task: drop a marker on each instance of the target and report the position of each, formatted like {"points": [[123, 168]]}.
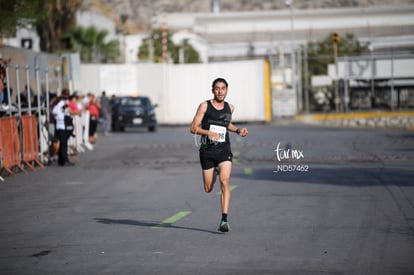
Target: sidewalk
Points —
{"points": [[397, 119]]}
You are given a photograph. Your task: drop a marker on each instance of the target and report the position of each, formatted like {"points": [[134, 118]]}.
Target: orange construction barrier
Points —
{"points": [[30, 142], [9, 145]]}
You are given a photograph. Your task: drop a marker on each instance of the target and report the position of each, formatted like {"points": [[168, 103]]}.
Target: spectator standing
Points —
{"points": [[73, 105], [2, 79], [93, 107], [4, 96], [64, 128], [75, 113], [105, 113], [1, 92]]}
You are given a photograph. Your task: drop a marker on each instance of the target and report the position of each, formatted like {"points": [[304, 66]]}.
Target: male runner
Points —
{"points": [[213, 121]]}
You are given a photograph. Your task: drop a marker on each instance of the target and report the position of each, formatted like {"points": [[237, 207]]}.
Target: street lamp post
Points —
{"points": [[335, 41], [292, 51]]}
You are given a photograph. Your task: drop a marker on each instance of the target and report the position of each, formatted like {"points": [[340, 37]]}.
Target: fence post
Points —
{"points": [[29, 92], [39, 112], [8, 91]]}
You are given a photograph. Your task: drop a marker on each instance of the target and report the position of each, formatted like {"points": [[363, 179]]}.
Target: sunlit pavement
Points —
{"points": [[305, 200]]}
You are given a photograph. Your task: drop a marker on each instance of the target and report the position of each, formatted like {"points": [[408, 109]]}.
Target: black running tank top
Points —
{"points": [[216, 121]]}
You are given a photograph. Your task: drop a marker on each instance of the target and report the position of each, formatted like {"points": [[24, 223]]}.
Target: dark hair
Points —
{"points": [[219, 80], [65, 93], [73, 96]]}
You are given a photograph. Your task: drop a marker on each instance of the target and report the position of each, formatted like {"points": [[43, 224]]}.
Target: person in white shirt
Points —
{"points": [[63, 127]]}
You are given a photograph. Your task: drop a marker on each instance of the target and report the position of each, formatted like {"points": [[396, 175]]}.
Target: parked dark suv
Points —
{"points": [[133, 111]]}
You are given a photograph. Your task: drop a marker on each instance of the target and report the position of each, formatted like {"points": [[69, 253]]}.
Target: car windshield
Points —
{"points": [[135, 102]]}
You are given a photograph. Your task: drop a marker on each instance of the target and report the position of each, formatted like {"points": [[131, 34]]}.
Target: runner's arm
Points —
{"points": [[240, 131], [232, 128], [196, 124]]}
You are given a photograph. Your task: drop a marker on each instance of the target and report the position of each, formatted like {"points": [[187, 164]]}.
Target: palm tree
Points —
{"points": [[91, 45]]}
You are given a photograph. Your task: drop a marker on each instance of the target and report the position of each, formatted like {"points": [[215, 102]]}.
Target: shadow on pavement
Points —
{"points": [[151, 224], [346, 176]]}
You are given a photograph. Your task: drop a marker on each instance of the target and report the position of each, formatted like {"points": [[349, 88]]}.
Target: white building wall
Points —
{"points": [[89, 74], [179, 89], [383, 68], [24, 33]]}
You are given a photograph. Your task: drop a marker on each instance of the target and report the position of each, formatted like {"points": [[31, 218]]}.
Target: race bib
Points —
{"points": [[219, 130]]}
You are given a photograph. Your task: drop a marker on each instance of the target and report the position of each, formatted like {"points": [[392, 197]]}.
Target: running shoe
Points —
{"points": [[224, 226]]}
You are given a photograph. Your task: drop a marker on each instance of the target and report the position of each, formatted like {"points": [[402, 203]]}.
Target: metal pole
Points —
{"points": [[8, 91], [299, 66], [59, 76], [346, 72], [392, 81], [47, 113], [335, 46], [47, 98], [20, 111], [18, 91], [293, 53], [28, 94], [372, 73], [39, 115], [305, 53]]}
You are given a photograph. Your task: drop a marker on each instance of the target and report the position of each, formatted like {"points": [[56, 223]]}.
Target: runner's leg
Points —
{"points": [[225, 171], [209, 178]]}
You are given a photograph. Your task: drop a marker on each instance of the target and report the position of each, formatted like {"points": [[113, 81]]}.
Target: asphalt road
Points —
{"points": [[305, 200]]}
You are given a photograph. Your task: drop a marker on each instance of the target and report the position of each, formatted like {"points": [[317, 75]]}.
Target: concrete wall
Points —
{"points": [[179, 89]]}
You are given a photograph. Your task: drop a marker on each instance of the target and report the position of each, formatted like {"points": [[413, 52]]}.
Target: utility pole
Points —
{"points": [[164, 40], [335, 41]]}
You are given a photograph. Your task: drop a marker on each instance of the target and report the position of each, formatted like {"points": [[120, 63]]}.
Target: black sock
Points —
{"points": [[224, 217]]}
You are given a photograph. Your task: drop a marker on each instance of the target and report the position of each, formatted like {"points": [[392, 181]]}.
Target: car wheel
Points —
{"points": [[152, 128]]}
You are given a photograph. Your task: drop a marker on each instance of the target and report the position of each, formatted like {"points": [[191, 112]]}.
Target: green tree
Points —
{"points": [[19, 13], [52, 18], [190, 54], [91, 45], [155, 42], [320, 53]]}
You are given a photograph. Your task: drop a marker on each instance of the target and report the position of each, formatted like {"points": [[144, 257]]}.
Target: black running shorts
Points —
{"points": [[209, 160]]}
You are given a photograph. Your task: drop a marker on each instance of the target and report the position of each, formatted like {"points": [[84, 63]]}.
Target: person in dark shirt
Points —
{"points": [[213, 122], [105, 113]]}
